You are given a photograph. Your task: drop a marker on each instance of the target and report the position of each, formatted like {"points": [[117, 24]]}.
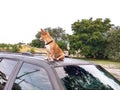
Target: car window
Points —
{"points": [[6, 67], [86, 77], [32, 77]]}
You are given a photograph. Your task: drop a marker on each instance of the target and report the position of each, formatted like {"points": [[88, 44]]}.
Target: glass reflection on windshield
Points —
{"points": [[103, 76], [86, 77]]}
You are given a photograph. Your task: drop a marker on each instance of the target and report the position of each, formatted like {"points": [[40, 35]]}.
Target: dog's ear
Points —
{"points": [[43, 31], [47, 33]]}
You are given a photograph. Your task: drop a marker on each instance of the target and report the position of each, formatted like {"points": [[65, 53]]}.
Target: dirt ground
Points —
{"points": [[114, 71]]}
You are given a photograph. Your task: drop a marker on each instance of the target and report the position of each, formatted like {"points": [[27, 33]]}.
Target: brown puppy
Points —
{"points": [[54, 51]]}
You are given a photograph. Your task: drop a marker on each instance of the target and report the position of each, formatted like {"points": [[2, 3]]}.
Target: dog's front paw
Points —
{"points": [[46, 58], [51, 59], [56, 59]]}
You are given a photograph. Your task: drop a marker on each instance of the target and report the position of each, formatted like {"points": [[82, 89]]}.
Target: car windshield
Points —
{"points": [[86, 77]]}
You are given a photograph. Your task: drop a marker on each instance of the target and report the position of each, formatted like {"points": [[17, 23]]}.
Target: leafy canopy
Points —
{"points": [[89, 36], [113, 46]]}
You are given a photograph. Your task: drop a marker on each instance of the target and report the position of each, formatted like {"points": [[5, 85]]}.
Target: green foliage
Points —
{"points": [[37, 35], [75, 43], [10, 47], [15, 48], [57, 33], [89, 36], [37, 43], [62, 45], [113, 46], [32, 50]]}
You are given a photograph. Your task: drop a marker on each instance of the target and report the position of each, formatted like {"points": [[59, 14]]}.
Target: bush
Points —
{"points": [[32, 50]]}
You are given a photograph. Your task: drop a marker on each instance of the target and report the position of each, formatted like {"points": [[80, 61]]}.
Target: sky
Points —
{"points": [[20, 20]]}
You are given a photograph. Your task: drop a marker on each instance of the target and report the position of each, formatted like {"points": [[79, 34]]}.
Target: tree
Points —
{"points": [[15, 48], [10, 47], [75, 43], [89, 36], [32, 50], [62, 44], [113, 46], [58, 33], [37, 43]]}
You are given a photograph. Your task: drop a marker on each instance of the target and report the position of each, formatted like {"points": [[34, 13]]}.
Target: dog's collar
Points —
{"points": [[49, 42]]}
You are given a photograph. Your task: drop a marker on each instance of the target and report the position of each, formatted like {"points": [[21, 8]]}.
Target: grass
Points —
{"points": [[108, 63]]}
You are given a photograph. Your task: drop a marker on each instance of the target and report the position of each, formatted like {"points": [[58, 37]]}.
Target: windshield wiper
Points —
{"points": [[27, 73]]}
